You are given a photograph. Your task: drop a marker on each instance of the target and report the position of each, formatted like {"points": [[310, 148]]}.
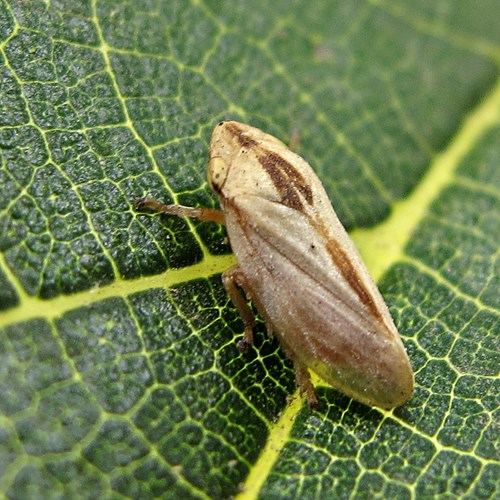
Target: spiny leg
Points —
{"points": [[294, 141], [203, 214], [303, 380], [302, 377], [230, 278]]}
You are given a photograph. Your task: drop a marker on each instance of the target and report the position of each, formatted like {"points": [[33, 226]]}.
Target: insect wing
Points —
{"points": [[313, 309], [301, 269]]}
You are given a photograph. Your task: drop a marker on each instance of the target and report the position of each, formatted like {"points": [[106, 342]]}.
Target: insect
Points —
{"points": [[300, 269]]}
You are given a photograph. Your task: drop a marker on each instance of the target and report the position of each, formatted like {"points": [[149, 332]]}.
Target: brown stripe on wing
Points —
{"points": [[289, 182], [345, 266], [243, 139]]}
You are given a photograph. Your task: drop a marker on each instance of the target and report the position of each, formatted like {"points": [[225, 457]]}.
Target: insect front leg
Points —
{"points": [[231, 278], [203, 214]]}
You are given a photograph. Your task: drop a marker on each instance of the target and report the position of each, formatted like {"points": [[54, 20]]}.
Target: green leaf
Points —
{"points": [[119, 371]]}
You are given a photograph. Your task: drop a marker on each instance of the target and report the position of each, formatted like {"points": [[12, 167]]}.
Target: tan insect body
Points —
{"points": [[300, 268]]}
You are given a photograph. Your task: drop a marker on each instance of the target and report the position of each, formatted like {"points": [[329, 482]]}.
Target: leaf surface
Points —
{"points": [[119, 371]]}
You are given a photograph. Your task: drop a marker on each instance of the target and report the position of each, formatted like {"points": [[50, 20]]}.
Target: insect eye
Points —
{"points": [[217, 173]]}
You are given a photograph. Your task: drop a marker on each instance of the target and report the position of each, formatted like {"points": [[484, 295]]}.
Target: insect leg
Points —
{"points": [[294, 141], [204, 214], [303, 380], [230, 278]]}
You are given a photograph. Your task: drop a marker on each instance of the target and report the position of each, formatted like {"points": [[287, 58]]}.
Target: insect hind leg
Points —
{"points": [[303, 380], [302, 377]]}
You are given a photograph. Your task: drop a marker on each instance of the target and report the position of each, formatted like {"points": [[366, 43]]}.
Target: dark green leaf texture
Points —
{"points": [[119, 373]]}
